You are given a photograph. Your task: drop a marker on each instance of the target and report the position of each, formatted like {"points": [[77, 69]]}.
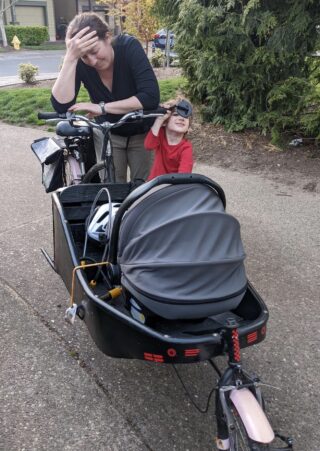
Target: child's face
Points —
{"points": [[177, 123]]}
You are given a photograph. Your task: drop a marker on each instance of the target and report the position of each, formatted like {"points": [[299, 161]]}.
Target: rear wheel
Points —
{"points": [[239, 439], [107, 169]]}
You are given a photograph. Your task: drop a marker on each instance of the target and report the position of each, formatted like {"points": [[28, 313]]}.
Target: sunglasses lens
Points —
{"points": [[184, 109]]}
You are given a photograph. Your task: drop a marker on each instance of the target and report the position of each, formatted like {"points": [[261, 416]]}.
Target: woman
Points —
{"points": [[119, 78]]}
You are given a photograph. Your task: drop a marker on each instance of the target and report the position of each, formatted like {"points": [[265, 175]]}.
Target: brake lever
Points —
{"points": [[70, 115], [137, 115], [134, 115]]}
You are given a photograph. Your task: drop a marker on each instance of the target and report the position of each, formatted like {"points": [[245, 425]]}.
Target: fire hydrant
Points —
{"points": [[16, 42]]}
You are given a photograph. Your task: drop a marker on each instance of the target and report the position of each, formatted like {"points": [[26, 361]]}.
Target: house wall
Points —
{"points": [[65, 12], [55, 14], [33, 13]]}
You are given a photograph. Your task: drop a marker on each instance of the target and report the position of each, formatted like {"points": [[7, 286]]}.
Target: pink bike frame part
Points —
{"points": [[252, 416], [75, 170]]}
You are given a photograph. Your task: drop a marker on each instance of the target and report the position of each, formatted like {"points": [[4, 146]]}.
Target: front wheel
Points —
{"points": [[104, 169], [93, 171], [239, 439]]}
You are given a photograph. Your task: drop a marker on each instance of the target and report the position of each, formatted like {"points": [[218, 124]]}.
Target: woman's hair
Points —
{"points": [[92, 20]]}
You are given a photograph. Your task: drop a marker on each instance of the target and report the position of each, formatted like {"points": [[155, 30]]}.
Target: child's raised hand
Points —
{"points": [[166, 116], [160, 121]]}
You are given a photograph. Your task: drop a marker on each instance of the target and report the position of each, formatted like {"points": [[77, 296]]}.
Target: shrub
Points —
{"points": [[28, 72], [293, 104], [27, 35], [245, 61], [157, 58]]}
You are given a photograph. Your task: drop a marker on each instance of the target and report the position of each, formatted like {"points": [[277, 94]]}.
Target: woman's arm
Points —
{"points": [[117, 107], [144, 78], [147, 94], [65, 88]]}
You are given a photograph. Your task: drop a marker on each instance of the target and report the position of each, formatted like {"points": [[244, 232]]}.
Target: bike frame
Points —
{"points": [[109, 175], [76, 168], [239, 390], [77, 144]]}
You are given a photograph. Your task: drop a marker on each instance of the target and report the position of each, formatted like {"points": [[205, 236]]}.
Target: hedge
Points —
{"points": [[247, 62], [27, 35]]}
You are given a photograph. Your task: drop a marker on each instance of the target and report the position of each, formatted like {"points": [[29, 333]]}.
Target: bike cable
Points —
{"points": [[92, 260], [215, 367], [203, 411], [87, 222], [108, 232]]}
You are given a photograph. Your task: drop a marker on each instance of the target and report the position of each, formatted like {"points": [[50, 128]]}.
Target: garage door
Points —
{"points": [[30, 15]]}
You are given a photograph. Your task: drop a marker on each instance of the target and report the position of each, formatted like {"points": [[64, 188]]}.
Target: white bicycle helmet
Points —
{"points": [[100, 225]]}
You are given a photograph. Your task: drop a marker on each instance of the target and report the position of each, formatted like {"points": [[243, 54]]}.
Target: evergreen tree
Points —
{"points": [[245, 60]]}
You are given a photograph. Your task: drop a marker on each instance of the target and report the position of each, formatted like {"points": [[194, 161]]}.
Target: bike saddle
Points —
{"points": [[66, 129]]}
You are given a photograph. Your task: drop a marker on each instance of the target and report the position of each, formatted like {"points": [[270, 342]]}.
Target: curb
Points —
{"points": [[15, 80]]}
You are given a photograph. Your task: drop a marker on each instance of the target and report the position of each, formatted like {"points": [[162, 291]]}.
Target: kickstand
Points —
{"points": [[48, 258]]}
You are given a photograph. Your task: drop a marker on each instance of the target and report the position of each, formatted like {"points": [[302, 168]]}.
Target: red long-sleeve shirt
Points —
{"points": [[168, 158]]}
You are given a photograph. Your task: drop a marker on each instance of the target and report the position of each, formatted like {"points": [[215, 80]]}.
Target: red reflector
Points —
{"points": [[263, 330], [153, 357], [171, 352], [251, 338], [191, 352]]}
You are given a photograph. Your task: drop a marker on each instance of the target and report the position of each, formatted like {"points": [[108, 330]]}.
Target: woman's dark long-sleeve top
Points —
{"points": [[132, 76]]}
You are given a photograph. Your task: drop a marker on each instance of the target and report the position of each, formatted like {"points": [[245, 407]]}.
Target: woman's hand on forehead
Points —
{"points": [[81, 43]]}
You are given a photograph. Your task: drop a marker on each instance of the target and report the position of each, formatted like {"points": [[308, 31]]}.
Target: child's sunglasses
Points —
{"points": [[183, 108]]}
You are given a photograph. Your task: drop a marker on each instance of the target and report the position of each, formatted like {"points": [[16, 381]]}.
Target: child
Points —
{"points": [[173, 153]]}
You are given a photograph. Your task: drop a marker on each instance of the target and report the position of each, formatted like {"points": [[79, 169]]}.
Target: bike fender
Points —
{"points": [[252, 416]]}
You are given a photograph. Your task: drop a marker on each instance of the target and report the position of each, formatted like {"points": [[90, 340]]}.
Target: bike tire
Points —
{"points": [[94, 170], [239, 439]]}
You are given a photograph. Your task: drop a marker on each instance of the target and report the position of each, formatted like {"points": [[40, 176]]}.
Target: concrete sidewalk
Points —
{"points": [[15, 80], [59, 392], [48, 402], [50, 397]]}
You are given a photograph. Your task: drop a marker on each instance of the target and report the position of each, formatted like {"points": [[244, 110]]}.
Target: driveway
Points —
{"points": [[59, 392]]}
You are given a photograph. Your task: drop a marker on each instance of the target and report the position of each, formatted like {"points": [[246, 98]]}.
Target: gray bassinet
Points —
{"points": [[180, 254]]}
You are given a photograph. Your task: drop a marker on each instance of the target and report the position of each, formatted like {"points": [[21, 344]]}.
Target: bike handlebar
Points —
{"points": [[159, 110], [51, 115], [133, 115]]}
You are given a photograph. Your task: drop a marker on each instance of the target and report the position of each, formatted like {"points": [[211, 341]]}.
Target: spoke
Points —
{"points": [[240, 437]]}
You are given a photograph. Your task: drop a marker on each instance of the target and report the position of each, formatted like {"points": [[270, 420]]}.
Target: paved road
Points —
{"points": [[59, 392], [46, 61]]}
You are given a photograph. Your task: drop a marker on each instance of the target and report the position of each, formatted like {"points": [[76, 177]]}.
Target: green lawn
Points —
{"points": [[171, 87], [46, 46], [20, 106]]}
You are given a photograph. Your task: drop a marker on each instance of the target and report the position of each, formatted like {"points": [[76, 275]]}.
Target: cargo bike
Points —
{"points": [[161, 278]]}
